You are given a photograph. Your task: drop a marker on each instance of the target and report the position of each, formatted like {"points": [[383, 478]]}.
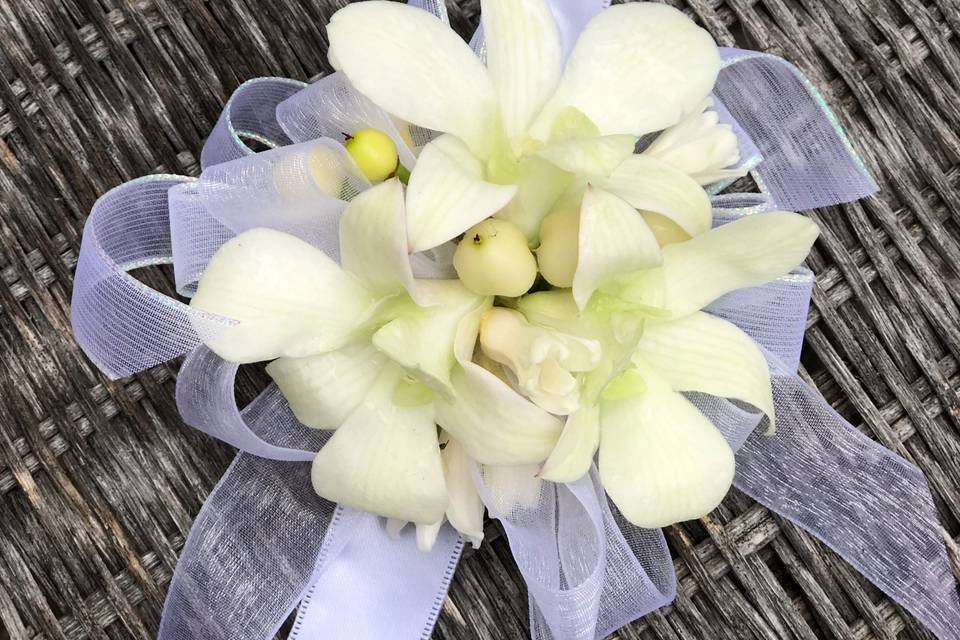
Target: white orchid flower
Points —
{"points": [[524, 130], [661, 461], [368, 350]]}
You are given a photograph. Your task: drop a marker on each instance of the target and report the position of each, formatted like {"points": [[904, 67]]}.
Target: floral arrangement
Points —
{"points": [[499, 276]]}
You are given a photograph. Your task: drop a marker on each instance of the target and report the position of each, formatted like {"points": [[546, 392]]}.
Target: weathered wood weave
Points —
{"points": [[99, 481]]}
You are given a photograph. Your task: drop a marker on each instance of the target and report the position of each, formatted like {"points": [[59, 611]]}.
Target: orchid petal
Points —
{"points": [[324, 390], [465, 511], [708, 354], [636, 68], [415, 67], [613, 239], [661, 460], [524, 57], [288, 297], [650, 184], [573, 455], [493, 422], [708, 177], [427, 536], [598, 156], [539, 185], [373, 242], [332, 107], [745, 253], [570, 124], [303, 175], [555, 309], [422, 338], [446, 195], [385, 459]]}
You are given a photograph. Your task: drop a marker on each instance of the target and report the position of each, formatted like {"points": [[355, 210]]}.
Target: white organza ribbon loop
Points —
{"points": [[249, 115], [436, 7], [332, 107], [808, 160], [588, 571], [774, 315], [265, 428], [123, 325], [195, 235], [279, 189]]}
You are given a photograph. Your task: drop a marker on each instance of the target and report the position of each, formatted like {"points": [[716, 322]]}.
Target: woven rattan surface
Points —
{"points": [[99, 481]]}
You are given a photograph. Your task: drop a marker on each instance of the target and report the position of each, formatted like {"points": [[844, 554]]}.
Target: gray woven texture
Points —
{"points": [[99, 481]]}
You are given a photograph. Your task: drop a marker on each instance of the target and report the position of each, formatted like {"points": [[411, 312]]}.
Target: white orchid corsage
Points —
{"points": [[574, 323], [503, 276]]}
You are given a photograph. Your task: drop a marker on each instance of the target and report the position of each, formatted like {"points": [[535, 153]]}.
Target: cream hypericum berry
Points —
{"points": [[559, 241], [665, 230], [493, 259], [324, 171]]}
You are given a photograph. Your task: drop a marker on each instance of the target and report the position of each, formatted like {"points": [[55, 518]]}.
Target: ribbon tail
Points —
{"points": [[369, 585], [249, 555], [863, 501], [264, 541], [587, 570]]}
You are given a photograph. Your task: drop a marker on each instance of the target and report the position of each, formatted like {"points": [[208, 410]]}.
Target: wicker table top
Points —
{"points": [[99, 481]]}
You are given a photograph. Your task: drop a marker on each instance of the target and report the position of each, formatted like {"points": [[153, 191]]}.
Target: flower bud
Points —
{"points": [[559, 246], [374, 152], [493, 259], [699, 145]]}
